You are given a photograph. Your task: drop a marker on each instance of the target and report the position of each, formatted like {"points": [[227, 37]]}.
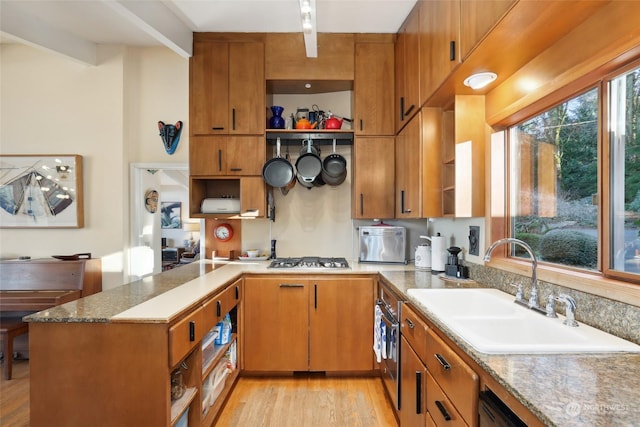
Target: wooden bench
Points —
{"points": [[10, 328], [35, 285]]}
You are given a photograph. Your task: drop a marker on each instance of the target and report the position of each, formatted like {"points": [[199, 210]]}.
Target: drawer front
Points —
{"points": [[414, 330], [458, 381], [217, 307], [441, 410], [184, 335]]}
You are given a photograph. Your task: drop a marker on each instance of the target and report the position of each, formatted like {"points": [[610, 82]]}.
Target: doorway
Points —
{"points": [[154, 185]]}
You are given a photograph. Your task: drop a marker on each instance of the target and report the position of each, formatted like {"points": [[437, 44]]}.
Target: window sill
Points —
{"points": [[592, 283]]}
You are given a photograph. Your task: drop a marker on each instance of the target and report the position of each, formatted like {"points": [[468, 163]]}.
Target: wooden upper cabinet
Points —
{"points": [[373, 178], [226, 155], [408, 181], [373, 89], [439, 43], [286, 57], [407, 68], [419, 166], [253, 196], [227, 88], [477, 18]]}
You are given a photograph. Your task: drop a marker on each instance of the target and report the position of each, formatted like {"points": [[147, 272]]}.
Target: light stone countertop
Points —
{"points": [[561, 389]]}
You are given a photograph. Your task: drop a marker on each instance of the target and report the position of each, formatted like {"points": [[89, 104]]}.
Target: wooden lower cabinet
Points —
{"points": [[119, 373], [412, 387], [301, 323]]}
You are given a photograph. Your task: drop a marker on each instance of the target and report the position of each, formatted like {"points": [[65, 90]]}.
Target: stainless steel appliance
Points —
{"points": [[383, 244], [494, 412], [390, 305], [309, 262]]}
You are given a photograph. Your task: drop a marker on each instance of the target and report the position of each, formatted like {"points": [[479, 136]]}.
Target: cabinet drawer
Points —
{"points": [[442, 412], [458, 381], [414, 330], [184, 335], [217, 307]]}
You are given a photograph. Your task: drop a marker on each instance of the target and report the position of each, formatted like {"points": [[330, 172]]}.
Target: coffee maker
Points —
{"points": [[453, 267]]}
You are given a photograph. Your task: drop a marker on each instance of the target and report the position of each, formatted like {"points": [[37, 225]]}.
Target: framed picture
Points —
{"points": [[171, 214], [41, 191]]}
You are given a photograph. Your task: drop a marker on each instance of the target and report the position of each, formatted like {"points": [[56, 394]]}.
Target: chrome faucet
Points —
{"points": [[570, 309], [533, 297]]}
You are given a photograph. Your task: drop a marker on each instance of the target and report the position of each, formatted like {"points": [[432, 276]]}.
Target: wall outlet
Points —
{"points": [[474, 240]]}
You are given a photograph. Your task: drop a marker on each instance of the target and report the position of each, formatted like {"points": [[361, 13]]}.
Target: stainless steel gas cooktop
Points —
{"points": [[309, 262]]}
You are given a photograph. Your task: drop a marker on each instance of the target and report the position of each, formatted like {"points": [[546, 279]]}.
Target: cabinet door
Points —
{"points": [[439, 50], [206, 156], [209, 92], [253, 198], [476, 19], [412, 387], [247, 88], [408, 68], [276, 324], [408, 182], [432, 161], [373, 89], [373, 178], [244, 155], [341, 324]]}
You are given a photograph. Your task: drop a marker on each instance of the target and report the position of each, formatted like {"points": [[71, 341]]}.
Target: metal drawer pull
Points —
{"points": [[192, 331], [291, 285], [218, 308], [418, 392], [409, 323], [443, 361], [443, 410]]}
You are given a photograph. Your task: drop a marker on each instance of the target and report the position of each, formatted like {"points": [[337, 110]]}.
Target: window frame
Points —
{"points": [[606, 282]]}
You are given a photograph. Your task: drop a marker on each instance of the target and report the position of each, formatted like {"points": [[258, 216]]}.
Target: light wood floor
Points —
{"points": [[308, 402], [278, 402], [14, 396]]}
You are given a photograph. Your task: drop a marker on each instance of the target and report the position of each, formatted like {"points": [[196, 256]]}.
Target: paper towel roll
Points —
{"points": [[438, 253]]}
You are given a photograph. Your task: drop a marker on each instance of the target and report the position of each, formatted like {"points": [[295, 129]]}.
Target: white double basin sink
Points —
{"points": [[490, 322]]}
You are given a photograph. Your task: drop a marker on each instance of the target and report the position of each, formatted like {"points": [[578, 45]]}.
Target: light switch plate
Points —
{"points": [[474, 240]]}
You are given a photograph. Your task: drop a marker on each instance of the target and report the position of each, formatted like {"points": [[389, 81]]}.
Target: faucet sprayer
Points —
{"points": [[533, 297]]}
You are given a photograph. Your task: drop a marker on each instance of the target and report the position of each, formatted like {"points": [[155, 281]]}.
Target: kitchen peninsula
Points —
{"points": [[110, 364]]}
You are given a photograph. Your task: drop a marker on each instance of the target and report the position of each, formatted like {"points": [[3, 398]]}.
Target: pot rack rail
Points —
{"points": [[319, 137]]}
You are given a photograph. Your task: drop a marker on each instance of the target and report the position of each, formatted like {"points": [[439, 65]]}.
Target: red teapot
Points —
{"points": [[333, 123]]}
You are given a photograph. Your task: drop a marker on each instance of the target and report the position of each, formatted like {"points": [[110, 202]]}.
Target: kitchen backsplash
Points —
{"points": [[614, 317]]}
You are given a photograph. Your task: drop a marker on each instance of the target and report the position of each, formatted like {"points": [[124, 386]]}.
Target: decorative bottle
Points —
{"points": [[276, 122]]}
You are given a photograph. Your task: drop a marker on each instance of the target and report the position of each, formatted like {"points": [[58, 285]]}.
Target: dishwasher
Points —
{"points": [[494, 412]]}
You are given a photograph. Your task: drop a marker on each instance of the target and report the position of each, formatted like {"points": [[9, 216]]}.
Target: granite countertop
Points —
{"points": [[560, 389]]}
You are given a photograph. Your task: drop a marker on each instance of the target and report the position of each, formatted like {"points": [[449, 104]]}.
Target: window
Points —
{"points": [[624, 193], [557, 203]]}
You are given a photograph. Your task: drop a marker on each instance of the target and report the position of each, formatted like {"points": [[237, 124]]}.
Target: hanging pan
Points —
{"points": [[278, 172], [334, 168]]}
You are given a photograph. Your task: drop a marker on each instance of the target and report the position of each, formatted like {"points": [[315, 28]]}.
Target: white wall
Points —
{"points": [[108, 114]]}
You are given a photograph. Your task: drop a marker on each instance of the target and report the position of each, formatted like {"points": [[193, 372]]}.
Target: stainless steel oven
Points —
{"points": [[389, 335]]}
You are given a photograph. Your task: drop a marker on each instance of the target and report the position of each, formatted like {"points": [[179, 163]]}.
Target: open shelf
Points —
{"points": [[318, 136]]}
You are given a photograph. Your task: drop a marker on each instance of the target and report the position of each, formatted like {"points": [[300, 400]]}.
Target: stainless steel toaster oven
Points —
{"points": [[383, 244]]}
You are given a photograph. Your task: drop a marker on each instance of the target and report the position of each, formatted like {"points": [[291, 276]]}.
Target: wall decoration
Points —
{"points": [[171, 214], [41, 191], [170, 135], [151, 201]]}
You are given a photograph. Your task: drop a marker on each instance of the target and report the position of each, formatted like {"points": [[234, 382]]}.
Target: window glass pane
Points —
{"points": [[554, 182], [624, 114]]}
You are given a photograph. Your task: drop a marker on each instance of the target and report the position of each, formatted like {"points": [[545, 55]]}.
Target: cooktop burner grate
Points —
{"points": [[309, 262]]}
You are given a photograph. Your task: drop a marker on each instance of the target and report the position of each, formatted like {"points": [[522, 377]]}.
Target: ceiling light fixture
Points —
{"points": [[480, 80], [308, 18]]}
